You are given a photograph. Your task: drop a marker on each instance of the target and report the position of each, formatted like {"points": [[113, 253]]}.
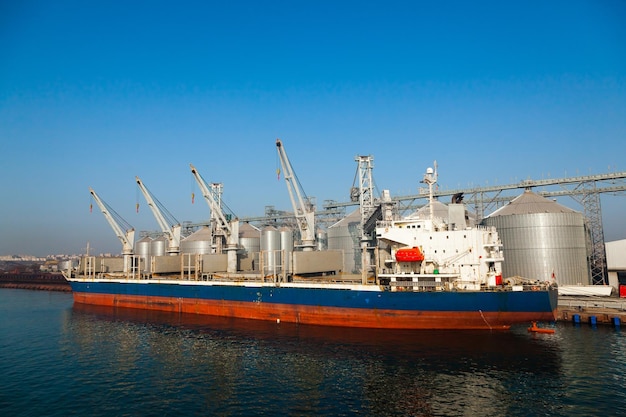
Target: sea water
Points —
{"points": [[61, 359]]}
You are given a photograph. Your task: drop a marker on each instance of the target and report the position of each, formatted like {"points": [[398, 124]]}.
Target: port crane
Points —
{"points": [[303, 209], [170, 226], [125, 234], [224, 227]]}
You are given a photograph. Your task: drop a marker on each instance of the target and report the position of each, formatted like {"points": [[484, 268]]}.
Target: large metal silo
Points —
{"points": [[270, 245], [440, 210], [286, 239], [143, 249], [321, 238], [286, 245], [249, 238], [345, 235], [250, 244], [158, 246], [542, 239], [199, 242]]}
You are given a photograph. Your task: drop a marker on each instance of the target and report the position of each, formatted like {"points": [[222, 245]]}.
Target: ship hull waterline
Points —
{"points": [[490, 310]]}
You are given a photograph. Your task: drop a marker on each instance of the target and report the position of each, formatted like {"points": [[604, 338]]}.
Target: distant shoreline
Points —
{"points": [[35, 281]]}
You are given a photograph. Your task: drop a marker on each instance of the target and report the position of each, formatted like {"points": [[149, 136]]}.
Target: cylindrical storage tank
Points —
{"points": [[542, 239], [249, 238], [67, 265], [270, 245], [199, 242], [345, 235], [250, 244], [287, 246], [158, 246], [286, 239], [322, 240], [143, 249]]}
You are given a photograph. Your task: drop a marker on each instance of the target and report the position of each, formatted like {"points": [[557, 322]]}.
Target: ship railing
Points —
{"points": [[189, 267], [418, 284], [414, 283], [535, 286], [273, 265]]}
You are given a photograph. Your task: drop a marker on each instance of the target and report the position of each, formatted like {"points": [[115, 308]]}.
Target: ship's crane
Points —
{"points": [[302, 207], [125, 234], [224, 227], [170, 226]]}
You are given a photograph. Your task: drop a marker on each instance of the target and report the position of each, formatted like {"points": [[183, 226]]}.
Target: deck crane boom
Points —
{"points": [[303, 209], [171, 229], [224, 228], [127, 237]]}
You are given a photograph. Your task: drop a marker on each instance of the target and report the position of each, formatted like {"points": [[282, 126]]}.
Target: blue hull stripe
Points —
{"points": [[487, 301]]}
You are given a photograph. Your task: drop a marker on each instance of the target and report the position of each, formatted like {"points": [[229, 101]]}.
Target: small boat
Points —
{"points": [[535, 329]]}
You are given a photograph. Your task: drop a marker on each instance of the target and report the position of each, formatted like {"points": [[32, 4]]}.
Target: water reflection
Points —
{"points": [[243, 367]]}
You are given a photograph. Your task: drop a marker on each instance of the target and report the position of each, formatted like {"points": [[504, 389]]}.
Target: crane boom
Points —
{"points": [[172, 231], [223, 228], [127, 237], [303, 209], [217, 214]]}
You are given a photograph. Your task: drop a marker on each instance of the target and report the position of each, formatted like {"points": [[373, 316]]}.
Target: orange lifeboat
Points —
{"points": [[413, 254], [535, 329]]}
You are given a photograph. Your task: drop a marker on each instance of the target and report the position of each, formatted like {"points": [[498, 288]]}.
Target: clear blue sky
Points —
{"points": [[93, 94]]}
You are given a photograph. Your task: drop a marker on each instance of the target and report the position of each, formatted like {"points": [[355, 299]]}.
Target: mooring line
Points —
{"points": [[484, 319]]}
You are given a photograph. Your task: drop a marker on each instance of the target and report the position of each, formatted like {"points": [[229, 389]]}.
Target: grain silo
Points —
{"points": [[286, 246], [286, 239], [345, 235], [199, 242], [158, 245], [270, 247], [250, 243], [249, 238], [542, 239], [143, 249], [321, 239], [440, 210]]}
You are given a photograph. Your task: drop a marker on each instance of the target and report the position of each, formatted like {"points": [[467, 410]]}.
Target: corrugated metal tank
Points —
{"points": [[197, 242], [541, 238], [143, 249], [249, 238], [345, 235]]}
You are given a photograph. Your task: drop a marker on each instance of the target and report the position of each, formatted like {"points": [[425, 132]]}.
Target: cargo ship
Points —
{"points": [[433, 269]]}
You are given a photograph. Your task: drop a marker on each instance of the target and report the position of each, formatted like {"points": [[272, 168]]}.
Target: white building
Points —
{"points": [[616, 262]]}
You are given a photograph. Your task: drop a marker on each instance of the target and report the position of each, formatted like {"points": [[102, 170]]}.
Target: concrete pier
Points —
{"points": [[592, 310]]}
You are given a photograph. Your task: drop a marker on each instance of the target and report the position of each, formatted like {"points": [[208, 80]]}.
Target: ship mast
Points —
{"points": [[430, 178]]}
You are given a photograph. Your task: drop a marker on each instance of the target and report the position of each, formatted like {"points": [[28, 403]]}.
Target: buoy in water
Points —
{"points": [[536, 329]]}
